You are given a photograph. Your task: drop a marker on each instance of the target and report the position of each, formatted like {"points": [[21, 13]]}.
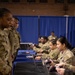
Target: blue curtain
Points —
{"points": [[52, 23], [32, 26], [28, 28], [71, 30]]}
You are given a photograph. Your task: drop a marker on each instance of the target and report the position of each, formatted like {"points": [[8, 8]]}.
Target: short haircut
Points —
{"points": [[45, 37], [4, 11], [53, 41], [16, 18], [52, 31]]}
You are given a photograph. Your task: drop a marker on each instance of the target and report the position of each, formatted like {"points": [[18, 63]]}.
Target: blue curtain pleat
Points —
{"points": [[52, 23], [28, 28], [71, 30]]}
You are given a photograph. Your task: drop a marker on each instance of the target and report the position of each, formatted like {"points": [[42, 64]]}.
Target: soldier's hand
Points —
{"points": [[32, 45], [37, 58], [39, 54], [60, 64], [41, 51], [60, 71], [52, 63]]}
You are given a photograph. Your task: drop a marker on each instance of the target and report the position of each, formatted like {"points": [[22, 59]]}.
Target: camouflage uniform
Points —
{"points": [[52, 37], [65, 56], [5, 48], [73, 50], [15, 41], [40, 44], [43, 47], [53, 54], [70, 67]]}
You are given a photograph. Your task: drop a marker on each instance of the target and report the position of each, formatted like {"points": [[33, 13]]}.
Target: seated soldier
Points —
{"points": [[52, 36], [53, 52], [65, 54], [44, 46], [39, 43]]}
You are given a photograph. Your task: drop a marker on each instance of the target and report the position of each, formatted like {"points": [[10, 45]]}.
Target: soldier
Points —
{"points": [[52, 36], [53, 52], [14, 37], [65, 53], [45, 45], [39, 43], [5, 22]]}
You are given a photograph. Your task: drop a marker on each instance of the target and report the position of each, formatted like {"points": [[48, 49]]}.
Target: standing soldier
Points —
{"points": [[5, 22], [17, 36], [14, 37]]}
